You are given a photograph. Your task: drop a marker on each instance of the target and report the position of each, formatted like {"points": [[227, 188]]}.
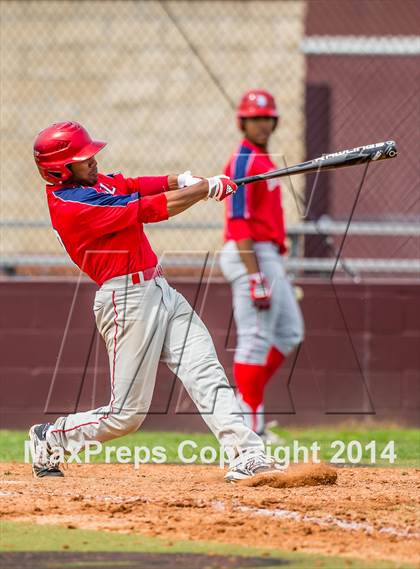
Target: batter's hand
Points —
{"points": [[220, 187], [260, 291], [187, 179]]}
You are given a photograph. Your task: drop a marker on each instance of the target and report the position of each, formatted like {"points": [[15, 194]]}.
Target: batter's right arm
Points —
{"points": [[180, 200]]}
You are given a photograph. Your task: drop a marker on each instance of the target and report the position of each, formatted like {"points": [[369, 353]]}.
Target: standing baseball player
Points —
{"points": [[100, 220], [268, 319]]}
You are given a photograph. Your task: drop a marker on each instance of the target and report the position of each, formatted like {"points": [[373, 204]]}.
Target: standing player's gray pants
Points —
{"points": [[142, 324], [258, 330]]}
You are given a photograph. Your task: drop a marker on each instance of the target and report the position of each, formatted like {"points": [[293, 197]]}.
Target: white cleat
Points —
{"points": [[45, 462], [250, 464]]}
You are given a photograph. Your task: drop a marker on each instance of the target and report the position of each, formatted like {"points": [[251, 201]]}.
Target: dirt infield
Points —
{"points": [[369, 513]]}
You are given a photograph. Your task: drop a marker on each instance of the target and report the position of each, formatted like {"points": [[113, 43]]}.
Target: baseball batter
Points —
{"points": [[100, 220], [268, 319]]}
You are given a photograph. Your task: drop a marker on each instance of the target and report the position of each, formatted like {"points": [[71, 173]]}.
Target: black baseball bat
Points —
{"points": [[341, 159]]}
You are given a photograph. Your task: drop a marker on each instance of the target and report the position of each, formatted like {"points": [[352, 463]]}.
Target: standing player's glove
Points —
{"points": [[187, 179], [220, 187], [260, 291]]}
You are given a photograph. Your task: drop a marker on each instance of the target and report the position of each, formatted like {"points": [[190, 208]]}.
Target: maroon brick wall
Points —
{"points": [[361, 99], [361, 355], [363, 17]]}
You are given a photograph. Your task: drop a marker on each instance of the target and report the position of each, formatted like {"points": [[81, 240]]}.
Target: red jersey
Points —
{"points": [[255, 211], [101, 226]]}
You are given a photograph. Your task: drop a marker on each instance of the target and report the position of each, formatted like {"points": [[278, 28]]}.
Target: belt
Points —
{"points": [[135, 278], [146, 275]]}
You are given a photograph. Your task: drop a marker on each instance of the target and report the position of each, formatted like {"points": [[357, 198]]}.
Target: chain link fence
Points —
{"points": [[159, 80]]}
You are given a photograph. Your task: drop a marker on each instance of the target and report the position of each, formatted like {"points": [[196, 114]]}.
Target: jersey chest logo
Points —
{"points": [[107, 189]]}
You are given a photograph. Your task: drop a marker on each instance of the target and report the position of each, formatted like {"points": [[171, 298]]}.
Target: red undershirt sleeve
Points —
{"points": [[148, 185]]}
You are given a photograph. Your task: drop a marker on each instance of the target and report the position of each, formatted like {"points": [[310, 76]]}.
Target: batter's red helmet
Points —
{"points": [[257, 103], [61, 144]]}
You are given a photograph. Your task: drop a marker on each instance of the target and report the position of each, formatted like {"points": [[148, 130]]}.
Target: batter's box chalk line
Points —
{"points": [[327, 520]]}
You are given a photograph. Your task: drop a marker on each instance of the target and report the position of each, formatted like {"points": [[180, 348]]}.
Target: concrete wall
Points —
{"points": [[361, 356]]}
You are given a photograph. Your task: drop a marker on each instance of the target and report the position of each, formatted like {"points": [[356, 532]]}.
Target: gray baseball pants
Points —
{"points": [[143, 324], [258, 330]]}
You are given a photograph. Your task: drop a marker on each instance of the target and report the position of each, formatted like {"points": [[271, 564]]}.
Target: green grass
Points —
{"points": [[19, 536], [407, 443]]}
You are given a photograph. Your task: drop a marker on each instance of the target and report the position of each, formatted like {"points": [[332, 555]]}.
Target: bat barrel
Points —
{"points": [[341, 159]]}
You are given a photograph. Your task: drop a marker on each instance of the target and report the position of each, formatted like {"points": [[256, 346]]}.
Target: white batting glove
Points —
{"points": [[187, 179]]}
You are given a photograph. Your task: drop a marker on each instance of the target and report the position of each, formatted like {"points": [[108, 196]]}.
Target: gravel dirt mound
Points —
{"points": [[371, 513], [296, 475]]}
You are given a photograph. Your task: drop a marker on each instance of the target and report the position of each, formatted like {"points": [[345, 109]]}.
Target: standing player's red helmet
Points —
{"points": [[257, 103], [61, 144]]}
